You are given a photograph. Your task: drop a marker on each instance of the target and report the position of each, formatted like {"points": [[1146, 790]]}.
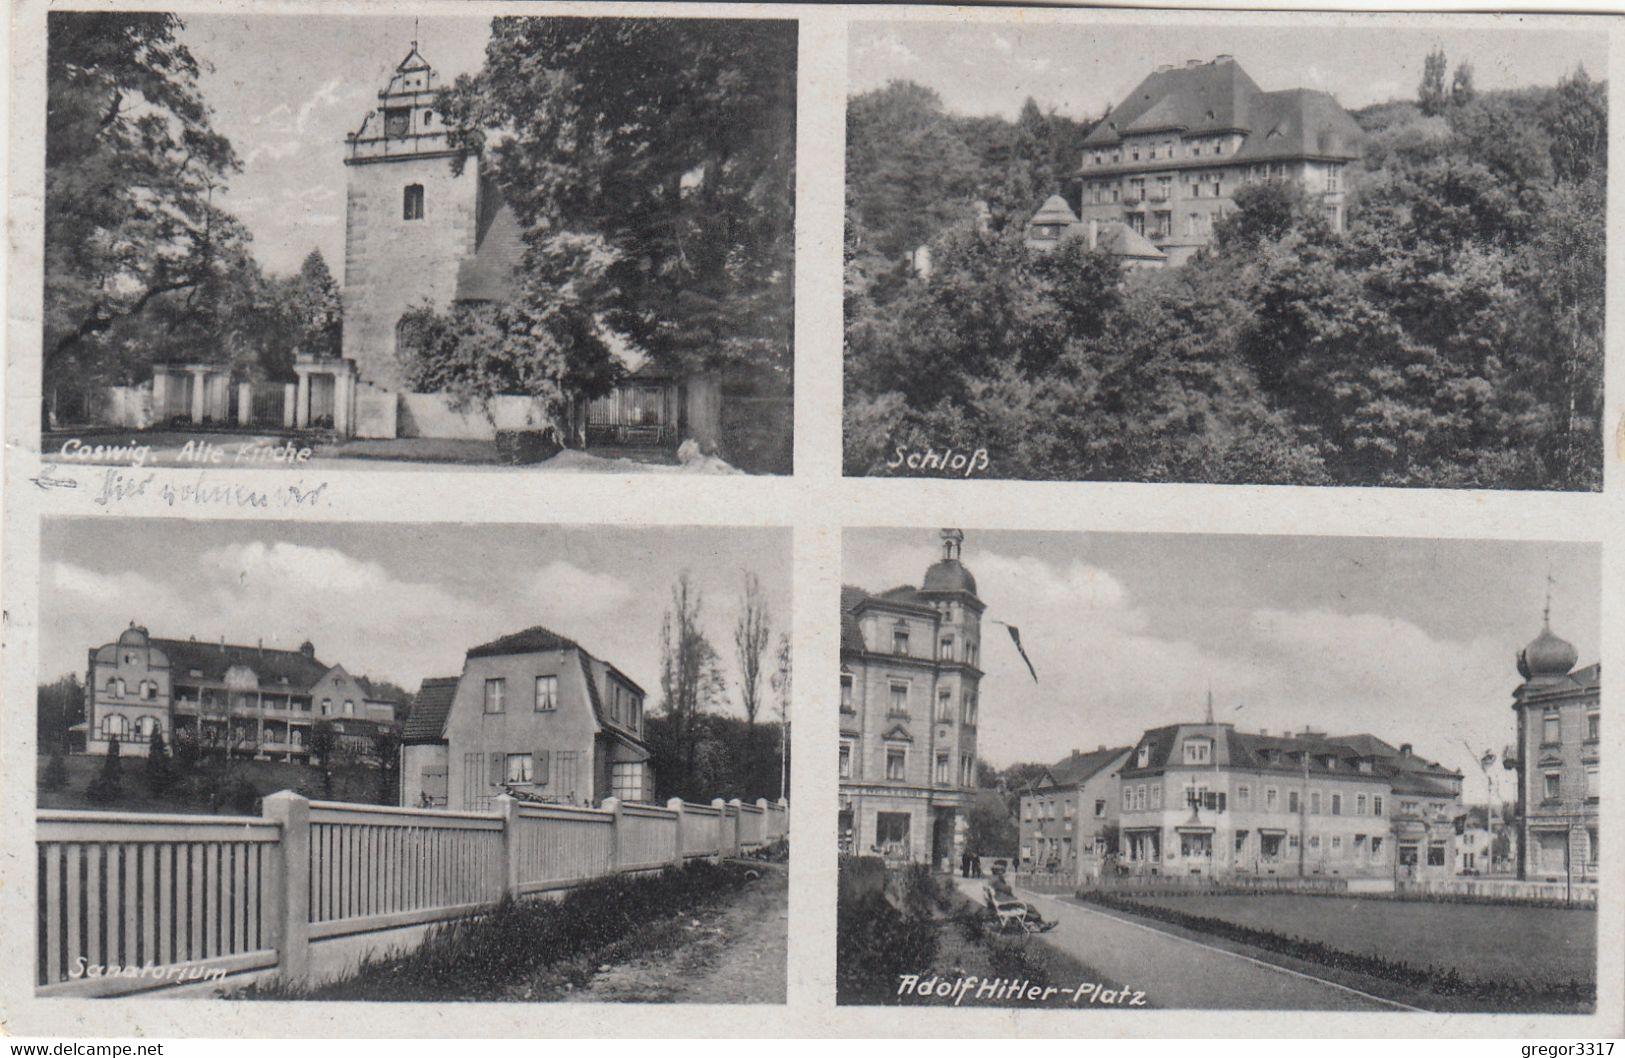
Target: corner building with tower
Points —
{"points": [[910, 680]]}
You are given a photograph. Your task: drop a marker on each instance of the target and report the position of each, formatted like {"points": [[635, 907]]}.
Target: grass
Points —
{"points": [[1506, 943], [552, 942]]}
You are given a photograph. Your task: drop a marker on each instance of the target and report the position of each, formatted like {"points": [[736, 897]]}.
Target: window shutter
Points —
{"points": [[540, 776], [496, 775]]}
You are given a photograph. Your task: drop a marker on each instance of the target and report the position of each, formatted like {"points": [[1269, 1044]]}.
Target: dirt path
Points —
{"points": [[734, 952]]}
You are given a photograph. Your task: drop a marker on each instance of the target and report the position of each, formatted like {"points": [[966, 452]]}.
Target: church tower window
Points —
{"points": [[412, 202]]}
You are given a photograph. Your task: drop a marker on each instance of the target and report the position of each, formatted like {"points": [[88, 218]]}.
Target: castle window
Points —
{"points": [[412, 202], [1550, 728], [428, 117]]}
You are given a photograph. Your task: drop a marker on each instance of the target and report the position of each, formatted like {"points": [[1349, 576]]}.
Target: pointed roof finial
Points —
{"points": [[1210, 705], [1546, 614], [414, 33]]}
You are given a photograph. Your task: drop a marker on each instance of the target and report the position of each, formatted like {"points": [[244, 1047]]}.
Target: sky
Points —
{"points": [[399, 602], [1409, 640], [1081, 70], [287, 89]]}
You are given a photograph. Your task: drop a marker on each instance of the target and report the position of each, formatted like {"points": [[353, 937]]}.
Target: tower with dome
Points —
{"points": [[910, 685], [1557, 758]]}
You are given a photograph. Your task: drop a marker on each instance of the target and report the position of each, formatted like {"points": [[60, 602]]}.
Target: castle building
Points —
{"points": [[1206, 799], [253, 701], [425, 226], [1167, 160], [910, 677], [1558, 760], [1069, 814], [533, 715]]}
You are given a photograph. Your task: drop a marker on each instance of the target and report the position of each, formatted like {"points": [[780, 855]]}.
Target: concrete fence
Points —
{"points": [[131, 903], [1494, 890]]}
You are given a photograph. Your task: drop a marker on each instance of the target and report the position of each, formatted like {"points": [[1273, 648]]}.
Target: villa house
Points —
{"points": [[533, 715]]}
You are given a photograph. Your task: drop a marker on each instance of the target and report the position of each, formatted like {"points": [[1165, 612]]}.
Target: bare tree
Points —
{"points": [[690, 677], [752, 631], [781, 685]]}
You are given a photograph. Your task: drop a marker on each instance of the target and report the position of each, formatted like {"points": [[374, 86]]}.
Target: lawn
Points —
{"points": [[349, 784], [1499, 942]]}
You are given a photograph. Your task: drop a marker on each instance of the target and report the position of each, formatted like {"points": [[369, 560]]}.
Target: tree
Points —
{"points": [[318, 311], [781, 687], [324, 750], [753, 629], [690, 678], [1461, 85], [59, 705], [56, 771], [159, 775], [1577, 117], [107, 784], [667, 147], [1431, 93], [131, 164], [385, 752]]}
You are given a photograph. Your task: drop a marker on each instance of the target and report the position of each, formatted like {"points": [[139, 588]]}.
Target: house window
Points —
{"points": [[1436, 854], [626, 781], [327, 707], [1593, 726], [349, 707], [1337, 846], [846, 760], [1593, 783], [1550, 728], [1128, 798], [967, 770], [1334, 177], [896, 764], [945, 649], [1100, 807], [846, 692], [1244, 796], [1376, 810], [1376, 849], [942, 769], [412, 202], [1156, 795], [519, 767], [496, 691], [899, 699], [945, 706], [547, 693], [899, 638], [115, 726], [1314, 802], [1337, 804], [1554, 786], [1272, 799], [970, 708], [1143, 756]]}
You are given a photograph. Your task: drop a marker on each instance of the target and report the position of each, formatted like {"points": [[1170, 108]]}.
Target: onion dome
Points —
{"points": [[1547, 656], [134, 636]]}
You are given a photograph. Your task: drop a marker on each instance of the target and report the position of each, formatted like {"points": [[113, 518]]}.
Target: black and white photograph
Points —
{"points": [[1186, 771], [444, 242], [555, 771], [1272, 251]]}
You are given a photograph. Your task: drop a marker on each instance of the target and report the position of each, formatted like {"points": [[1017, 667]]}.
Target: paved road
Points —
{"points": [[1178, 973]]}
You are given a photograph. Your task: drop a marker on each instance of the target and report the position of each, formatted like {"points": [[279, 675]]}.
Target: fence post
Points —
{"points": [[676, 805], [612, 805], [245, 403], [765, 834], [508, 808], [737, 807], [784, 817], [290, 881], [722, 826]]}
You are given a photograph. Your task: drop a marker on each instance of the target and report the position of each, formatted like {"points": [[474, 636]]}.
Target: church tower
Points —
{"points": [[409, 222]]}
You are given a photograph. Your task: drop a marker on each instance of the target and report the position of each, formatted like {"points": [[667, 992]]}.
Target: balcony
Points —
{"points": [[1133, 198], [1160, 194]]}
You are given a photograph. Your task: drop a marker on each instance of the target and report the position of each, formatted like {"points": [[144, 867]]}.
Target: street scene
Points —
{"points": [[1309, 788], [246, 792], [389, 242]]}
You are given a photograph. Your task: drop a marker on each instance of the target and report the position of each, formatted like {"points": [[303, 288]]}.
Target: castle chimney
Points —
{"points": [[1192, 63], [1224, 58], [1405, 749], [308, 649]]}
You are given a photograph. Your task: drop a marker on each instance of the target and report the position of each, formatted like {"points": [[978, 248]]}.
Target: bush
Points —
{"points": [[528, 445], [106, 786], [56, 772], [159, 775], [482, 954], [757, 436]]}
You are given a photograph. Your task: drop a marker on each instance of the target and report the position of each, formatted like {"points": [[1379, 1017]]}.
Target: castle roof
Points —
{"points": [[211, 660], [1218, 96]]}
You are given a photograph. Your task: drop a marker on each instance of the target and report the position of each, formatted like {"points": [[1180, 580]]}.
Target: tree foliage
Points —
{"points": [[666, 146], [1450, 336], [691, 683]]}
